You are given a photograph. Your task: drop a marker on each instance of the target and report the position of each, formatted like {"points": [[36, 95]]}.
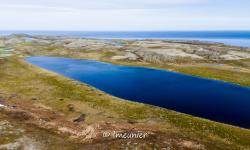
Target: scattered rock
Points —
{"points": [[5, 55], [12, 96], [13, 106], [191, 145], [25, 143], [79, 119], [128, 56], [86, 135], [159, 51], [33, 98], [4, 125], [132, 121], [71, 107], [2, 106]]}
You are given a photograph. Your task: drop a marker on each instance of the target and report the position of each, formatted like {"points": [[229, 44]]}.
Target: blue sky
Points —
{"points": [[124, 15]]}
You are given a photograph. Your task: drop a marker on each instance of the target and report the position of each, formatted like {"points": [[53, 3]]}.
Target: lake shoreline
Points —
{"points": [[52, 93], [149, 67], [126, 91]]}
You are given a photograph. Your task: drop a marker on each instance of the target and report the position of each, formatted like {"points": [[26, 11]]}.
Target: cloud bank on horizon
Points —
{"points": [[125, 15]]}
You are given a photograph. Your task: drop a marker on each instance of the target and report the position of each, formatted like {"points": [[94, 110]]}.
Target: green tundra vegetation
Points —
{"points": [[43, 93]]}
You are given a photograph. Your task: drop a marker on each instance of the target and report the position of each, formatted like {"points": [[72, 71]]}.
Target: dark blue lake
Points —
{"points": [[211, 99]]}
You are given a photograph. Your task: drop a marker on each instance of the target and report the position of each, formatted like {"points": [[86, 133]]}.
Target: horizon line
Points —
{"points": [[210, 30]]}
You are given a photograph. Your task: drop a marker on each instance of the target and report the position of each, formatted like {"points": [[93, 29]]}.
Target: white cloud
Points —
{"points": [[32, 8], [124, 14], [97, 4]]}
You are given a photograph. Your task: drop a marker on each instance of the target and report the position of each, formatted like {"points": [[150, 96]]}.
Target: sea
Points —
{"points": [[234, 38]]}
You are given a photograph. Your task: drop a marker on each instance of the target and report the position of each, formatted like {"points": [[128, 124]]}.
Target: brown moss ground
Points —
{"points": [[52, 91], [56, 92]]}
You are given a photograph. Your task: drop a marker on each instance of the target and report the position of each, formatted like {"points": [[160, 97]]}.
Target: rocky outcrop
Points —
{"points": [[128, 56], [156, 51], [160, 51]]}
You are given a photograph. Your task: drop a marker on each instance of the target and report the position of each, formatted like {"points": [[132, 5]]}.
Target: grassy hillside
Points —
{"points": [[50, 91], [48, 104]]}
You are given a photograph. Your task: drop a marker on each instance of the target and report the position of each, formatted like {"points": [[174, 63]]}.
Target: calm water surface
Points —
{"points": [[215, 100], [236, 38]]}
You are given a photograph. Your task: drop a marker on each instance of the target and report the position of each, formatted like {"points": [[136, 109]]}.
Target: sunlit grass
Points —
{"points": [[57, 92]]}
